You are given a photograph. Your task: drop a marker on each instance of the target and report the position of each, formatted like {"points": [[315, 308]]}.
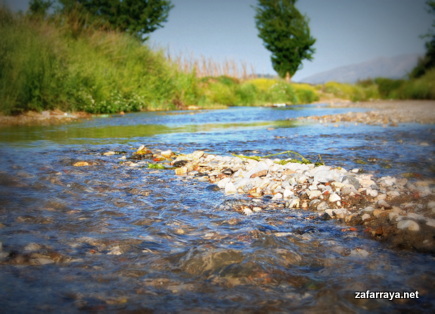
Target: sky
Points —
{"points": [[347, 31]]}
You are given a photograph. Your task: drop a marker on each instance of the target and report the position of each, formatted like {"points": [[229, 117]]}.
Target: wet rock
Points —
{"points": [[294, 203], [408, 225], [81, 164], [230, 188], [181, 171], [180, 163], [228, 171], [358, 252]]}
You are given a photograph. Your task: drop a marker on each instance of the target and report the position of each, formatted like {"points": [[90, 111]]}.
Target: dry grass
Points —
{"points": [[206, 66]]}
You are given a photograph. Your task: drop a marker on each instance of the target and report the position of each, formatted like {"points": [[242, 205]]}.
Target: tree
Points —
{"points": [[428, 61], [136, 17], [39, 8], [285, 33]]}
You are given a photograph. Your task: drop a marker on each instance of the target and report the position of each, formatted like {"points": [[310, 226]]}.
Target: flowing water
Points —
{"points": [[111, 238]]}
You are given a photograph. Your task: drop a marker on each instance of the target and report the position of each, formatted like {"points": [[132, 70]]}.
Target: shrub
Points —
{"points": [[247, 94], [262, 84], [388, 88], [305, 93]]}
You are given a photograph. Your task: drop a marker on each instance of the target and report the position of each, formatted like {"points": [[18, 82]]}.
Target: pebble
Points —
{"points": [[334, 197], [365, 217], [352, 196], [410, 225]]}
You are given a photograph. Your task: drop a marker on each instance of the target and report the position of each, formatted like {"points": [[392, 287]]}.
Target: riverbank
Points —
{"points": [[48, 117], [391, 209], [384, 113], [387, 113]]}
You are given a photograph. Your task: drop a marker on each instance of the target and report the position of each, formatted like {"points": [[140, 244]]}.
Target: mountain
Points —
{"points": [[393, 67]]}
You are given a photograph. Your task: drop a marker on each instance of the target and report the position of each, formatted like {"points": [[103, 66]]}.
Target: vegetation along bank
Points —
{"points": [[53, 62]]}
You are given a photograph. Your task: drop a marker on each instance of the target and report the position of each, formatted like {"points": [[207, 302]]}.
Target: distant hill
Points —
{"points": [[394, 67]]}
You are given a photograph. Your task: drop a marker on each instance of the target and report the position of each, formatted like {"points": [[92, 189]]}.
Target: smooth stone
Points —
{"points": [[384, 204], [365, 217], [350, 180], [230, 188], [294, 203], [277, 196], [247, 211], [322, 206], [314, 194], [222, 183], [359, 253], [334, 197], [410, 225]]}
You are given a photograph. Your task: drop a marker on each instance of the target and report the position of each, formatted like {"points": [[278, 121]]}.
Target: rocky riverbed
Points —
{"points": [[391, 209], [386, 113]]}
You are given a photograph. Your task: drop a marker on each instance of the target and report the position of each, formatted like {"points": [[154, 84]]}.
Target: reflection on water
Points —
{"points": [[110, 238]]}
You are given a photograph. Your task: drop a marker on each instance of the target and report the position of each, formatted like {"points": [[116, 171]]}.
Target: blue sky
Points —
{"points": [[347, 31]]}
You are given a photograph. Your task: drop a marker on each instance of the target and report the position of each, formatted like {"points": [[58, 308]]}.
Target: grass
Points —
{"points": [[48, 64]]}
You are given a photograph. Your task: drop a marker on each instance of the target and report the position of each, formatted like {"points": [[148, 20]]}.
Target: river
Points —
{"points": [[110, 238]]}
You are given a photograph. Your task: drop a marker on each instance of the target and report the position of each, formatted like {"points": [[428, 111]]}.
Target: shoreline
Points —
{"points": [[381, 112], [44, 118]]}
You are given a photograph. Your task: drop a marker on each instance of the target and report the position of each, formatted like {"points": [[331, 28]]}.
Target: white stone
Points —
{"points": [[257, 209], [416, 216], [384, 204], [301, 179], [372, 192], [247, 211], [288, 193], [430, 222], [408, 225], [359, 253], [314, 194], [365, 217], [222, 183], [334, 197], [337, 185], [388, 181], [116, 250], [230, 188], [294, 203], [393, 194], [277, 196], [322, 206], [368, 209], [348, 190]]}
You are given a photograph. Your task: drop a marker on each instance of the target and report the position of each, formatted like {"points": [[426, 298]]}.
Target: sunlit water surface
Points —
{"points": [[134, 239]]}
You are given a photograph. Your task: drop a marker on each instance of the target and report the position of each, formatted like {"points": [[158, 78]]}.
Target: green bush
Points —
{"points": [[361, 92], [388, 88], [421, 88], [247, 94], [305, 94]]}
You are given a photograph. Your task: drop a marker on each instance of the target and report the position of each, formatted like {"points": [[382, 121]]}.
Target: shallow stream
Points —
{"points": [[111, 238]]}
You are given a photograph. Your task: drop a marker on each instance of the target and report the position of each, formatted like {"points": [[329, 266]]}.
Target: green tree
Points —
{"points": [[428, 61], [136, 17], [39, 8], [285, 33]]}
